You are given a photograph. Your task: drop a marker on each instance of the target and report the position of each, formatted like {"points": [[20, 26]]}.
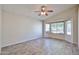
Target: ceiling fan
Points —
{"points": [[43, 11]]}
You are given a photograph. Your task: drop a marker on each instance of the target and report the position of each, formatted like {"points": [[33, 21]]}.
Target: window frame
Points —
{"points": [[49, 27], [66, 26], [58, 22]]}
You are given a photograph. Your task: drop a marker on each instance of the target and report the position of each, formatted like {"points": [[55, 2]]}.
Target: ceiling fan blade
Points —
{"points": [[46, 14], [49, 10]]}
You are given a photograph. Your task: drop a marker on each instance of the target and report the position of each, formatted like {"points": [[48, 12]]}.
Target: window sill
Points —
{"points": [[58, 33]]}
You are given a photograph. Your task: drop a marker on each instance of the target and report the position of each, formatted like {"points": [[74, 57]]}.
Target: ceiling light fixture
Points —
{"points": [[43, 11]]}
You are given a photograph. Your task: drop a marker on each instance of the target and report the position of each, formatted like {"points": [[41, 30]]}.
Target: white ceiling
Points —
{"points": [[28, 9]]}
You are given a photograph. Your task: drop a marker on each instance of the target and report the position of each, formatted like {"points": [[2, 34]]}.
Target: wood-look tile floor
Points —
{"points": [[41, 46]]}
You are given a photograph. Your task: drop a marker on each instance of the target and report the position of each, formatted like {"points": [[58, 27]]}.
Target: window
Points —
{"points": [[47, 27], [68, 27], [57, 27], [53, 28]]}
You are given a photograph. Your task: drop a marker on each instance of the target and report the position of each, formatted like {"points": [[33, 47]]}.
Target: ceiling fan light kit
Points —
{"points": [[43, 11]]}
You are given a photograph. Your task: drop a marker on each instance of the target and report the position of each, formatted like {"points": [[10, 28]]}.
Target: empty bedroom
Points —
{"points": [[39, 29]]}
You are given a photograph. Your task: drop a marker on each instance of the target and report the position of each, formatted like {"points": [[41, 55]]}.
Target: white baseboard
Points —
{"points": [[19, 42]]}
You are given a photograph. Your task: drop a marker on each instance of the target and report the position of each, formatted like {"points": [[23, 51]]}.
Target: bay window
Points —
{"points": [[57, 27], [47, 27], [68, 27]]}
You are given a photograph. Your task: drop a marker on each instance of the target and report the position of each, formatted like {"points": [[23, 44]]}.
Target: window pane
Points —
{"points": [[53, 28], [60, 27], [68, 23], [57, 27], [47, 27]]}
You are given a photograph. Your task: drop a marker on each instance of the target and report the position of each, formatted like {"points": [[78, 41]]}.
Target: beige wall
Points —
{"points": [[0, 27], [75, 26], [57, 36], [62, 16], [18, 28], [78, 26]]}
